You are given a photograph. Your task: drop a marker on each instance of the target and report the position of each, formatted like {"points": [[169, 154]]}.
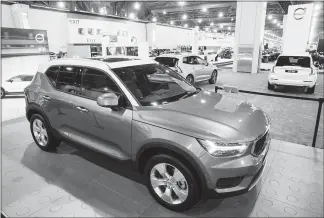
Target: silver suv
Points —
{"points": [[184, 140]]}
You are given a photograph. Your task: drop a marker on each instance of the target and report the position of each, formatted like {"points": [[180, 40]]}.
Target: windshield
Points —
{"points": [[154, 84], [167, 61], [299, 61]]}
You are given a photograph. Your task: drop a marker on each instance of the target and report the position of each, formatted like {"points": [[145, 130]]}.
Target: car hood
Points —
{"points": [[208, 115]]}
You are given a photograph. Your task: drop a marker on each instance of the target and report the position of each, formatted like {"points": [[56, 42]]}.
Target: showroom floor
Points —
{"points": [[72, 182]]}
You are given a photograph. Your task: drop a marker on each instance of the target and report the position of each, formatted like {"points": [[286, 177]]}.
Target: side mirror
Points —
{"points": [[316, 64], [108, 100]]}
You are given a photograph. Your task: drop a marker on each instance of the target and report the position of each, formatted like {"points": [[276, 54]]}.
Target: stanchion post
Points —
{"points": [[318, 118]]}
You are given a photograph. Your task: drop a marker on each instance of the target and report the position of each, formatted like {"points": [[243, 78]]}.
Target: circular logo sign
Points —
{"points": [[299, 13], [39, 38]]}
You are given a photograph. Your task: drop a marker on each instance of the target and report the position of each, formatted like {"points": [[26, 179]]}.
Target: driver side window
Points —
{"points": [[200, 61], [96, 83]]}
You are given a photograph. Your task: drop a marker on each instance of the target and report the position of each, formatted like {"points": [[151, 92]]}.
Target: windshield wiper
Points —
{"points": [[188, 94]]}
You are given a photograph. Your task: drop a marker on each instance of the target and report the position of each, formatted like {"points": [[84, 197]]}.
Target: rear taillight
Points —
{"points": [[312, 72]]}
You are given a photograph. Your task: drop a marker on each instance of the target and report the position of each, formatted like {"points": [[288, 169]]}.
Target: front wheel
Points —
{"points": [[190, 79], [171, 183], [213, 77], [3, 93]]}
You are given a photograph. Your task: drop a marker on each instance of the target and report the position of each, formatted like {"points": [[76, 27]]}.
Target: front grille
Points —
{"points": [[229, 182], [260, 144]]}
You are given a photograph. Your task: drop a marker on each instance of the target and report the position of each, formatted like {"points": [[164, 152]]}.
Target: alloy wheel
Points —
{"points": [[40, 132], [190, 79], [169, 183], [214, 77]]}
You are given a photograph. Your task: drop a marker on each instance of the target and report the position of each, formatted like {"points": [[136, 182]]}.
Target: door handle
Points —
{"points": [[82, 109], [46, 97]]}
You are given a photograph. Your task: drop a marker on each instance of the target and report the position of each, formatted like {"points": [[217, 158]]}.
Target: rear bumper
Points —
{"points": [[309, 81]]}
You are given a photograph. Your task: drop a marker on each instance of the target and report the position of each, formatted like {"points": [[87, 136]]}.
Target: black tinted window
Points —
{"points": [[293, 61], [51, 74], [167, 61], [96, 83], [69, 79]]}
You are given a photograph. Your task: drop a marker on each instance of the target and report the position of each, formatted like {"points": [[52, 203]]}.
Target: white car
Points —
{"points": [[294, 70], [15, 85], [191, 67]]}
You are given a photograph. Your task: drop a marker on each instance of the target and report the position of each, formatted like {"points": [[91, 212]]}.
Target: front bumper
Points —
{"points": [[240, 173]]}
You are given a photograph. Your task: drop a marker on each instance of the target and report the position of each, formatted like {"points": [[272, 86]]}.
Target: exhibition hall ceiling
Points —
{"points": [[211, 15]]}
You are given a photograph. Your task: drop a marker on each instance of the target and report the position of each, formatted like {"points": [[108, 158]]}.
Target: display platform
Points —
{"points": [[79, 183], [223, 62]]}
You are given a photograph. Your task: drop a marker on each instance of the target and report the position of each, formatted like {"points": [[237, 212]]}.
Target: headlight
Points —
{"points": [[221, 149]]}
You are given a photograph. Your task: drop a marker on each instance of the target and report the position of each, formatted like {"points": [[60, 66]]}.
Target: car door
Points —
{"points": [[196, 67], [101, 128], [205, 69]]}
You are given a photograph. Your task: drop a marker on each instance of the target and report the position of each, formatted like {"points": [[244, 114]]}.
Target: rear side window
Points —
{"points": [[167, 61], [51, 74], [27, 78], [69, 79], [185, 60], [299, 61]]}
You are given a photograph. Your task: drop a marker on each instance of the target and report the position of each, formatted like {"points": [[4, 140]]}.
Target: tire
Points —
{"points": [[213, 77], [3, 93], [45, 140], [270, 87], [188, 185], [311, 90], [190, 79]]}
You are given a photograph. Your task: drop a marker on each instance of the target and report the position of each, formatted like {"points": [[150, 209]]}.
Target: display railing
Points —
{"points": [[319, 100]]}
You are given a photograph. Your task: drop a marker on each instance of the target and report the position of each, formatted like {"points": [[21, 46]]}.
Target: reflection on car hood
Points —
{"points": [[208, 115]]}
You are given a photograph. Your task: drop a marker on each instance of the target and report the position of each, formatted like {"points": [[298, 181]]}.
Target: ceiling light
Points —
{"points": [[229, 28], [199, 20], [75, 8], [92, 11], [61, 4], [221, 26], [220, 14], [269, 17], [232, 19], [204, 9], [181, 3], [207, 28], [102, 10], [184, 17], [131, 15], [186, 25], [278, 24], [164, 12], [212, 24], [154, 19], [171, 22], [137, 5], [214, 30], [274, 21]]}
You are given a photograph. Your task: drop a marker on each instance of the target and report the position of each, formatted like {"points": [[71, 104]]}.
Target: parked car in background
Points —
{"points": [[191, 67], [114, 58], [294, 70], [15, 85], [186, 142]]}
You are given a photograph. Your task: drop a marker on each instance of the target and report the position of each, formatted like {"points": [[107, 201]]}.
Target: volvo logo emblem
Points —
{"points": [[39, 38], [299, 13]]}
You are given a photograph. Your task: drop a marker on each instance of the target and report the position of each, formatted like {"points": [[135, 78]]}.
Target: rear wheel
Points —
{"points": [[171, 183], [270, 87], [3, 93], [42, 135], [190, 79], [311, 90], [213, 77]]}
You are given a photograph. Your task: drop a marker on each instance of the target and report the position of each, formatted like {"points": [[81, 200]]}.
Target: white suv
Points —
{"points": [[294, 70], [191, 67]]}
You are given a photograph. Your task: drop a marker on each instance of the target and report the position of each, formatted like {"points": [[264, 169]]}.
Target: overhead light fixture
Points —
{"points": [[154, 19], [207, 28], [212, 24], [204, 9], [181, 3], [137, 5], [61, 4], [184, 17], [92, 10], [171, 22], [75, 8], [199, 20], [214, 30], [220, 14], [278, 24], [229, 28], [221, 26], [102, 10], [274, 21], [186, 25], [131, 15], [270, 17], [164, 12], [232, 19]]}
